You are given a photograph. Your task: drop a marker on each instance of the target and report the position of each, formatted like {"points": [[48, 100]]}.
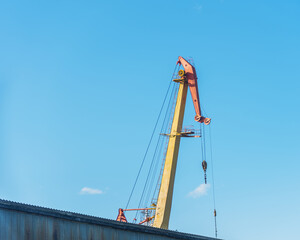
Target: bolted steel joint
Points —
{"points": [[181, 73], [202, 119]]}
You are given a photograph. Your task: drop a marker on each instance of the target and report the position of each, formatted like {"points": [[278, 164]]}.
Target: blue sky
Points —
{"points": [[82, 82]]}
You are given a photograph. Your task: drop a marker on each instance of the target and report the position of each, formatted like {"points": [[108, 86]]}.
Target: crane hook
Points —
{"points": [[204, 166]]}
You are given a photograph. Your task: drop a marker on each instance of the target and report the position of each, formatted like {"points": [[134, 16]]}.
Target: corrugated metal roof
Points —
{"points": [[14, 207]]}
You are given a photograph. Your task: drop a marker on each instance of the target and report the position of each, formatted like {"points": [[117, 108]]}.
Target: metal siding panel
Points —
{"points": [[75, 231], [90, 232], [28, 227], [125, 235], [14, 227], [107, 233], [21, 225], [9, 221], [41, 228], [82, 232], [35, 226], [55, 230], [96, 233], [3, 229], [49, 229], [61, 229], [67, 230], [1, 224]]}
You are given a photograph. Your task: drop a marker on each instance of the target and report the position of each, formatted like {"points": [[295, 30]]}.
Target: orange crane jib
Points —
{"points": [[191, 76]]}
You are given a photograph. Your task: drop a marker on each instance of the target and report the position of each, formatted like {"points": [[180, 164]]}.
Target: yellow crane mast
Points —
{"points": [[164, 201]]}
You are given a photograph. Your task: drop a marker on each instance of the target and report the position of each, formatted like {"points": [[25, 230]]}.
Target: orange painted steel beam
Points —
{"points": [[121, 216], [138, 209], [148, 219], [191, 76]]}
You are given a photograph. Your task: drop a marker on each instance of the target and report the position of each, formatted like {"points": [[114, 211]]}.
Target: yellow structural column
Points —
{"points": [[164, 201]]}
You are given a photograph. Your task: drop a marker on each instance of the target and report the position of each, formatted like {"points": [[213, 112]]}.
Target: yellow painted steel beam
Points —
{"points": [[164, 201]]}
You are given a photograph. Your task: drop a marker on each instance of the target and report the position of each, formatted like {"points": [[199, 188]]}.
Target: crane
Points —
{"points": [[188, 79], [164, 202]]}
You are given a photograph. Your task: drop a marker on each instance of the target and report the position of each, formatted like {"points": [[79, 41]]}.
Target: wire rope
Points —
{"points": [[158, 149], [152, 162], [147, 149], [213, 180], [156, 191], [212, 174], [146, 194]]}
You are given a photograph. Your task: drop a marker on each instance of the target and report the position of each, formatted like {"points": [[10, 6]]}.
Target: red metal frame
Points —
{"points": [[121, 216], [191, 77]]}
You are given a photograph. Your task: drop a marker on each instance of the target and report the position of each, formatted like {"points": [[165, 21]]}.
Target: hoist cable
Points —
{"points": [[152, 162], [212, 174], [167, 128], [145, 197], [169, 125], [134, 185], [212, 166], [159, 147], [213, 180], [202, 142], [157, 153]]}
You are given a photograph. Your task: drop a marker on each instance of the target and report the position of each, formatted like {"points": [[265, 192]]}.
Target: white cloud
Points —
{"points": [[199, 191], [93, 191]]}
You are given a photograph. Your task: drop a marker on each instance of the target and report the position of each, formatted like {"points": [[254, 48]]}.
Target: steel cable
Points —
{"points": [[139, 172], [158, 148], [151, 165]]}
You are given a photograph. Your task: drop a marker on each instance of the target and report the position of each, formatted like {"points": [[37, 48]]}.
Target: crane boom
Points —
{"points": [[191, 77]]}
